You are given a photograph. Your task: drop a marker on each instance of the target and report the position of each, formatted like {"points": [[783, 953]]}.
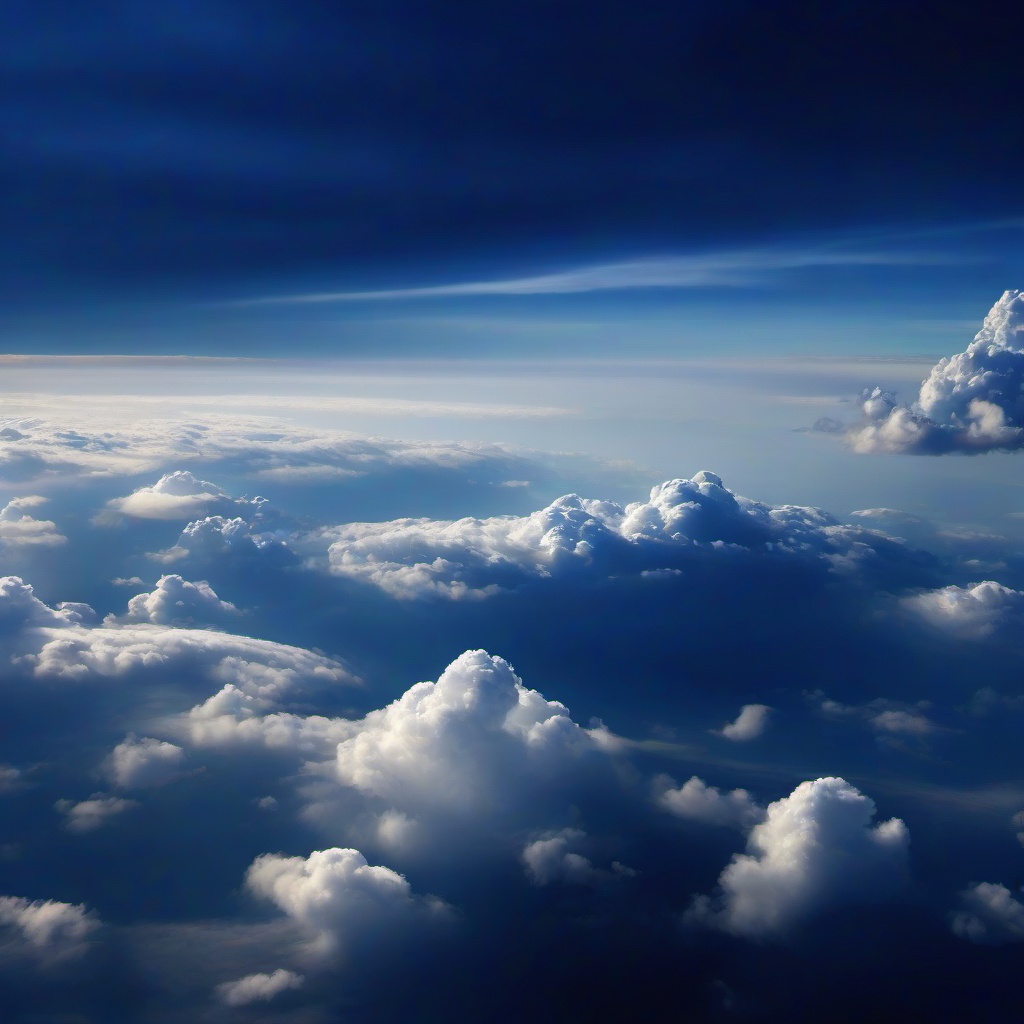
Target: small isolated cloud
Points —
{"points": [[45, 928], [335, 895], [556, 857], [695, 800], [89, 815], [990, 915], [258, 988], [817, 848], [18, 529], [969, 613], [886, 717], [972, 402], [177, 495], [750, 723], [177, 602], [141, 763]]}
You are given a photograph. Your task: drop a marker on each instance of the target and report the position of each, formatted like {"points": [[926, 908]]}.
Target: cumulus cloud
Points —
{"points": [[45, 927], [217, 535], [20, 608], [970, 613], [455, 743], [89, 815], [989, 914], [335, 895], [816, 848], [972, 402], [140, 763], [176, 495], [58, 646], [19, 529], [749, 724], [697, 801], [556, 857], [258, 988], [474, 558], [177, 602]]}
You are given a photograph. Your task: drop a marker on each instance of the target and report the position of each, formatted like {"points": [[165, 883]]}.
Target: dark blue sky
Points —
{"points": [[164, 155]]}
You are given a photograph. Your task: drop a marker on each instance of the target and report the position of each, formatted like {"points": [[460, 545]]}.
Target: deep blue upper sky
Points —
{"points": [[164, 155]]}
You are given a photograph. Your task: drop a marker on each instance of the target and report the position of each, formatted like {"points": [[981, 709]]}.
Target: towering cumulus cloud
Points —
{"points": [[972, 402]]}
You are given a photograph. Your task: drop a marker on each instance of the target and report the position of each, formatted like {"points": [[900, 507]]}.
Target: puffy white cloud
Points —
{"points": [[477, 557], [749, 724], [555, 857], [88, 815], [218, 535], [258, 988], [139, 763], [971, 402], [20, 608], [815, 849], [971, 613], [176, 495], [45, 927], [335, 895], [19, 529], [697, 801], [258, 667], [990, 914], [460, 742], [177, 602], [234, 718]]}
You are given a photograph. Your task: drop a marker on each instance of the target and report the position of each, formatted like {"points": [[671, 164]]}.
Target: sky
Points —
{"points": [[511, 513], [651, 177]]}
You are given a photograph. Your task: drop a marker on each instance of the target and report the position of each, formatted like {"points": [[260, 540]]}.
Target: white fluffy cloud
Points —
{"points": [[989, 914], [89, 815], [458, 743], [412, 558], [749, 724], [697, 801], [258, 988], [45, 927], [335, 895], [21, 609], [219, 535], [970, 613], [815, 849], [19, 529], [971, 402], [178, 602], [176, 495], [140, 763]]}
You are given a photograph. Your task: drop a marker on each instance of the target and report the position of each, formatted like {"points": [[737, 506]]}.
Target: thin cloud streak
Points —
{"points": [[746, 268]]}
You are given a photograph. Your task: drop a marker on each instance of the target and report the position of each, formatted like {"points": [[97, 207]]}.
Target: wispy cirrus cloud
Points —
{"points": [[742, 268]]}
